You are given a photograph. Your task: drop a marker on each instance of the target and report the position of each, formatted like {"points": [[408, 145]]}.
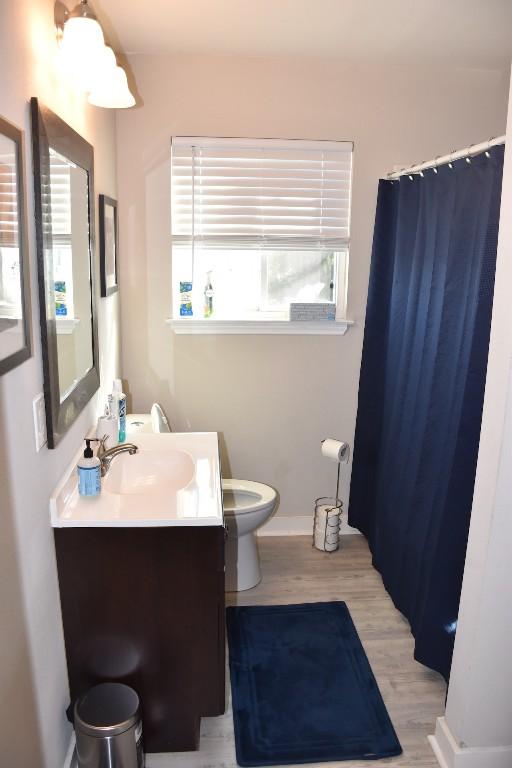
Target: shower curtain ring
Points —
{"points": [[413, 172], [450, 164], [468, 154], [435, 168], [489, 142]]}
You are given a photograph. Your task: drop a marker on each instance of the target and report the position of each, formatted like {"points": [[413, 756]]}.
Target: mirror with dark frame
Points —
{"points": [[64, 213], [14, 304]]}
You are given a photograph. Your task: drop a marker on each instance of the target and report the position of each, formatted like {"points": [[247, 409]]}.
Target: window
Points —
{"points": [[10, 294], [258, 224], [60, 172]]}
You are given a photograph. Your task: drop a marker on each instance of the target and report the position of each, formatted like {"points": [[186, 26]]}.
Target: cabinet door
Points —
{"points": [[145, 606]]}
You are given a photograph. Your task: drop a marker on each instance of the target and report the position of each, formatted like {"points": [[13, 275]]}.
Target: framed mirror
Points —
{"points": [[64, 213], [108, 245], [14, 303]]}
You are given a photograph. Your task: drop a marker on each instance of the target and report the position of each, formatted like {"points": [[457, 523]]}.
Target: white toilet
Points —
{"points": [[247, 506]]}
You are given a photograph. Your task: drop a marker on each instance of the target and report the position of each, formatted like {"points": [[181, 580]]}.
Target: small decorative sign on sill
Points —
{"points": [[325, 310]]}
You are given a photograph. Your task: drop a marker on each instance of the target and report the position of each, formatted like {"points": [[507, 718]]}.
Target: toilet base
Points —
{"points": [[242, 563]]}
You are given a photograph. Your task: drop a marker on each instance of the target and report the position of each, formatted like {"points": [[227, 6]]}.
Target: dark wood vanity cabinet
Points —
{"points": [[145, 606]]}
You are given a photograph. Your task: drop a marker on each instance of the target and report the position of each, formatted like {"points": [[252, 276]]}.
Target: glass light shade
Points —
{"points": [[102, 65], [112, 91], [82, 33], [81, 49]]}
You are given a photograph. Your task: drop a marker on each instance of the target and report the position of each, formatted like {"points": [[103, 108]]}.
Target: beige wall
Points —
{"points": [[20, 746], [272, 398], [33, 677]]}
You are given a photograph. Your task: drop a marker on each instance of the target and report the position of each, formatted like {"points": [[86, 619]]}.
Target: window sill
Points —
{"points": [[66, 325], [260, 327]]}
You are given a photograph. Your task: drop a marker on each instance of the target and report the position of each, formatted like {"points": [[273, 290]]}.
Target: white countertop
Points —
{"points": [[173, 480]]}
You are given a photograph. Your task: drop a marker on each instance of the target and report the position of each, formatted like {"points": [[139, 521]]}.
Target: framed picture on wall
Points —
{"points": [[108, 245], [14, 293]]}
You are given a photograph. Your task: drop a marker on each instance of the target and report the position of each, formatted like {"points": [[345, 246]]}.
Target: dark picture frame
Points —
{"points": [[49, 131], [24, 351], [108, 246]]}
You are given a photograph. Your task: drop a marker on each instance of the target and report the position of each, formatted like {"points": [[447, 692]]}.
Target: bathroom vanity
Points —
{"points": [[141, 575]]}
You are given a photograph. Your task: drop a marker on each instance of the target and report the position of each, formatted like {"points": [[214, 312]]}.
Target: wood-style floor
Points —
{"points": [[294, 572]]}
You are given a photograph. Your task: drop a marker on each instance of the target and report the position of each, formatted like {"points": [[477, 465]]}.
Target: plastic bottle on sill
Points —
{"points": [[208, 296]]}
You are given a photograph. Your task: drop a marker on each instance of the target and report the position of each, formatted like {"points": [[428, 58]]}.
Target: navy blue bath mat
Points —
{"points": [[303, 689]]}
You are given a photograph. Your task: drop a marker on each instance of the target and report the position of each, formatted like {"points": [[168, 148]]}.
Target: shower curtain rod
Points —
{"points": [[468, 153]]}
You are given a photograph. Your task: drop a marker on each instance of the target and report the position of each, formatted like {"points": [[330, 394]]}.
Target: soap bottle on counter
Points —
{"points": [[89, 472], [208, 296], [119, 406]]}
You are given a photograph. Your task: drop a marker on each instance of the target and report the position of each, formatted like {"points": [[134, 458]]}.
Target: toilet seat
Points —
{"points": [[244, 496]]}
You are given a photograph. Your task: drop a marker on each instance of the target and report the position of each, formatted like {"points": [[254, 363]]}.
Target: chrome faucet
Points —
{"points": [[106, 455]]}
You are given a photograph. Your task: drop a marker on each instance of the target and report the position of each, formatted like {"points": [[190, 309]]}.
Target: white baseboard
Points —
{"points": [[71, 760], [450, 755], [301, 525]]}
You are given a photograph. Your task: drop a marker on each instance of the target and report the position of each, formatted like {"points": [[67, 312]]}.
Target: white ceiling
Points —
{"points": [[475, 33]]}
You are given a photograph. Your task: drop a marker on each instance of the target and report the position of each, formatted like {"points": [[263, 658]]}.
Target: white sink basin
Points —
{"points": [[173, 479], [149, 473]]}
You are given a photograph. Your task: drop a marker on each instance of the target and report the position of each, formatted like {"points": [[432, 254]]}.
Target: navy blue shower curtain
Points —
{"points": [[421, 388]]}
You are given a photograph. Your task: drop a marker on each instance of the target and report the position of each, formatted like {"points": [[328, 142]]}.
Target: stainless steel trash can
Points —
{"points": [[108, 728]]}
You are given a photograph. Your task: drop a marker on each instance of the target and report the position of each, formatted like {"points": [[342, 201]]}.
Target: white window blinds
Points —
{"points": [[243, 193], [60, 196], [8, 201]]}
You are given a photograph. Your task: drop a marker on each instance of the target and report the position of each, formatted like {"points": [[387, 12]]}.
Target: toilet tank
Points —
{"points": [[138, 422], [156, 421]]}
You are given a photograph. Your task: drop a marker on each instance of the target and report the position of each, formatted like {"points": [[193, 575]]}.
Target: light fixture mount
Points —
{"points": [[60, 16], [83, 10]]}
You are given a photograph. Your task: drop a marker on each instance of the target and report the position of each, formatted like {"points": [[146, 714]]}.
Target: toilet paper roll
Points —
{"points": [[108, 425], [324, 545], [333, 523], [327, 536], [326, 530], [330, 530], [327, 511], [321, 525], [335, 450]]}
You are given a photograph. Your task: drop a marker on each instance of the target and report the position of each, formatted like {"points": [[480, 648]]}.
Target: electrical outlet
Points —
{"points": [[39, 421]]}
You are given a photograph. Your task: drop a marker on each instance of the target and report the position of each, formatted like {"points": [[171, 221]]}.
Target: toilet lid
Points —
{"points": [[241, 496]]}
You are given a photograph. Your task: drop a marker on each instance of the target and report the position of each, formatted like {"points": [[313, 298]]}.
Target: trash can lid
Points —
{"points": [[107, 710]]}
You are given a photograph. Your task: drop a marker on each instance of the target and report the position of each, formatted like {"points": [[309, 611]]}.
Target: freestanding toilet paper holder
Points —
{"points": [[328, 509], [326, 524]]}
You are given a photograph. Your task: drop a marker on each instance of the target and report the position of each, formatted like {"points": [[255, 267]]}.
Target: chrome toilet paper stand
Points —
{"points": [[332, 502]]}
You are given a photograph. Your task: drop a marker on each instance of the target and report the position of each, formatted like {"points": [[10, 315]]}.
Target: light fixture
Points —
{"points": [[82, 35], [90, 64], [112, 91], [101, 67]]}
